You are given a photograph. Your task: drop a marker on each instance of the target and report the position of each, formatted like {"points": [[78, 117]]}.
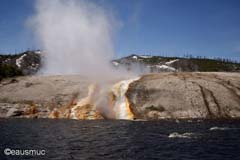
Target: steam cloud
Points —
{"points": [[76, 37]]}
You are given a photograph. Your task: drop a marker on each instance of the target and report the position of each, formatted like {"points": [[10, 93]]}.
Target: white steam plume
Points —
{"points": [[76, 37]]}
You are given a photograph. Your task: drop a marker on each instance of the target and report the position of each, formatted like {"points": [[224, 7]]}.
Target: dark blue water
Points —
{"points": [[70, 139]]}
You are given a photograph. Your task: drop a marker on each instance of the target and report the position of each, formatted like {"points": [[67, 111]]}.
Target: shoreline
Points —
{"points": [[177, 95]]}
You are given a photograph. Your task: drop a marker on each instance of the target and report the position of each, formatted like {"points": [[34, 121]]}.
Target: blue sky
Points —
{"points": [[158, 27]]}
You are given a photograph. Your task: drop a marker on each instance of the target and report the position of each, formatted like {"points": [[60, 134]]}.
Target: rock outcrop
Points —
{"points": [[47, 96], [186, 95], [153, 96]]}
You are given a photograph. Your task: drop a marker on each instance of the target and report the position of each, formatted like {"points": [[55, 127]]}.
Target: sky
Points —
{"points": [[152, 27]]}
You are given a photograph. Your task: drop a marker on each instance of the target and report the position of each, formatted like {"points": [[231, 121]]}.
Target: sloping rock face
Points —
{"points": [[153, 96], [186, 95], [46, 97]]}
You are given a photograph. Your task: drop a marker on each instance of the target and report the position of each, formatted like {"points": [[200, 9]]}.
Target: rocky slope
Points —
{"points": [[26, 63], [152, 96], [29, 62], [39, 96], [186, 95]]}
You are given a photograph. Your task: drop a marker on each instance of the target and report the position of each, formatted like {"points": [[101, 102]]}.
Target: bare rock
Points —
{"points": [[186, 95], [153, 96], [14, 112]]}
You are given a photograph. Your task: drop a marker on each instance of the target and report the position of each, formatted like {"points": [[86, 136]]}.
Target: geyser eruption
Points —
{"points": [[76, 36]]}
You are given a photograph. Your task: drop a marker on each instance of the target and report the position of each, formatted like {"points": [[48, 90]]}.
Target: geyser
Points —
{"points": [[76, 36]]}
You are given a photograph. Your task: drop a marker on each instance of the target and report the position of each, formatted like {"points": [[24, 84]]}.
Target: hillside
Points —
{"points": [[29, 62], [25, 63], [176, 64]]}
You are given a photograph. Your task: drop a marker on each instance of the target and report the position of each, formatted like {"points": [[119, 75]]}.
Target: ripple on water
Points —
{"points": [[183, 135], [222, 128]]}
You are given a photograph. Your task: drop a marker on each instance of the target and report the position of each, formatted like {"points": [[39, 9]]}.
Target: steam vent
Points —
{"points": [[149, 97]]}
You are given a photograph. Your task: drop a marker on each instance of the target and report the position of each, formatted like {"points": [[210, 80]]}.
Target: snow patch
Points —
{"points": [[19, 60], [165, 67], [134, 57], [7, 60], [115, 63], [145, 56], [38, 52], [172, 61]]}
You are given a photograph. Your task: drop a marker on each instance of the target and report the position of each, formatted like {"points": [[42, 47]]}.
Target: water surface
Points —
{"points": [[109, 139]]}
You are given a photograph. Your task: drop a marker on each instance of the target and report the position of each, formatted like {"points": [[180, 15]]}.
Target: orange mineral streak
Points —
{"points": [[83, 109], [128, 110], [121, 105], [99, 104]]}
